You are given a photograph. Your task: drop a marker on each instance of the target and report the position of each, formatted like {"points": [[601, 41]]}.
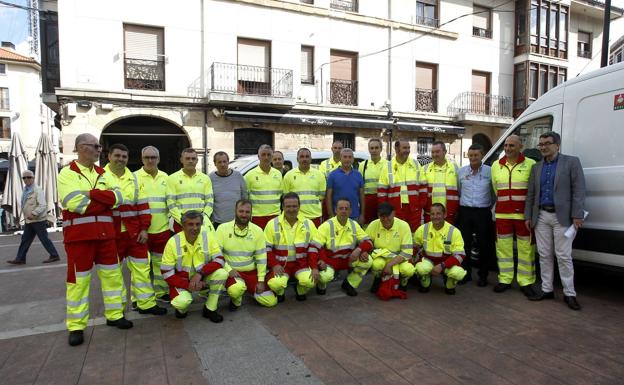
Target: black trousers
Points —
{"points": [[477, 221], [30, 231]]}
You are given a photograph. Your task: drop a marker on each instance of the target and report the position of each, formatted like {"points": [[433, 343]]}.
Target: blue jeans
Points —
{"points": [[30, 230]]}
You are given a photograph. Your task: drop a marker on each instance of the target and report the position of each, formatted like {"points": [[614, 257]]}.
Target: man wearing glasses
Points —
{"points": [[555, 200], [154, 184], [34, 209]]}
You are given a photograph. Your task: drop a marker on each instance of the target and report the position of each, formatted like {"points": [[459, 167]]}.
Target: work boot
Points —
{"points": [[134, 306], [375, 286], [281, 298], [76, 337], [121, 323], [232, 306], [528, 291], [154, 310], [212, 315], [299, 297], [164, 298], [501, 287], [449, 291], [482, 282], [425, 284], [424, 289], [346, 286], [179, 314], [320, 291]]}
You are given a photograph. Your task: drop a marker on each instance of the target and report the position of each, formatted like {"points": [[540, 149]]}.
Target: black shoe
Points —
{"points": [[403, 288], [501, 287], [542, 295], [15, 262], [449, 291], [528, 291], [281, 298], [232, 306], [179, 314], [346, 286], [482, 282], [424, 289], [76, 337], [52, 259], [121, 323], [164, 298], [320, 291], [467, 278], [301, 297], [212, 315], [154, 310], [134, 306], [572, 303], [375, 285]]}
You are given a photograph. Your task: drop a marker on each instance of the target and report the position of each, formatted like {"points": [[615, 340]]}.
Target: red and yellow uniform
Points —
{"points": [[370, 173], [442, 187], [265, 190], [310, 186], [185, 193], [388, 244]]}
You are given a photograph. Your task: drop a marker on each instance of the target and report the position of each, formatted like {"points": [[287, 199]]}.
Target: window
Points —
{"points": [[481, 22], [343, 85], [584, 45], [144, 57], [307, 64], [347, 140], [529, 86], [344, 5], [4, 99], [427, 13], [520, 82], [548, 27], [423, 146], [2, 69], [307, 1], [426, 87], [529, 133], [254, 62], [5, 128], [479, 101]]}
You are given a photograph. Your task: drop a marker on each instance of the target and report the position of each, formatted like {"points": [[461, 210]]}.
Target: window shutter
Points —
{"points": [[144, 43], [254, 53], [307, 64], [481, 19]]}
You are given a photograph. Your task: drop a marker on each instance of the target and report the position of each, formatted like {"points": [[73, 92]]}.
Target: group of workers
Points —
{"points": [[227, 233]]}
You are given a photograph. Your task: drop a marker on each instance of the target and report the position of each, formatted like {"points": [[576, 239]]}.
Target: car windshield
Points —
{"points": [[529, 133], [239, 163]]}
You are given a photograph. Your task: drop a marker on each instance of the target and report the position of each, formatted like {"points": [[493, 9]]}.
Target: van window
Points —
{"points": [[529, 132]]}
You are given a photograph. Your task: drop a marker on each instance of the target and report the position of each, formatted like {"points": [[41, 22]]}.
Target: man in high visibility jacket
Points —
{"points": [[370, 170], [309, 184], [329, 165], [89, 238], [132, 219], [510, 178], [264, 184], [192, 261], [439, 248], [189, 189], [342, 245], [153, 182], [442, 178], [393, 247], [404, 186], [291, 251], [244, 248]]}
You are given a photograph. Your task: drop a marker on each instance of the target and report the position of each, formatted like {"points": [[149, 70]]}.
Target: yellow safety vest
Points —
{"points": [[328, 165], [370, 172], [340, 240], [289, 243], [448, 240], [156, 195], [181, 256], [511, 184], [129, 187], [391, 242], [310, 187], [265, 190], [186, 193], [243, 250]]}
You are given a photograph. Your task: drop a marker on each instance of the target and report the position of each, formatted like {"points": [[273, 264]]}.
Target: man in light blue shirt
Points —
{"points": [[476, 198]]}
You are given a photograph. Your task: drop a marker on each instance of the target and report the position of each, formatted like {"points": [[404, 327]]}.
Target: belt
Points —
{"points": [[548, 209]]}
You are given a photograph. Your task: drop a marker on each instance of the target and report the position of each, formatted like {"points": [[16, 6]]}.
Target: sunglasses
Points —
{"points": [[27, 177], [150, 157], [95, 146]]}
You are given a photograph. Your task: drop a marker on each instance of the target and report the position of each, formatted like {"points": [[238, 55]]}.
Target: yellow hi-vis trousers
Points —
{"points": [[358, 271], [279, 283], [505, 231], [453, 274], [216, 285], [403, 271]]}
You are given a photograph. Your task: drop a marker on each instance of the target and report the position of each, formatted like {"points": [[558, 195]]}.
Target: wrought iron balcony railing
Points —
{"points": [[583, 53], [426, 100], [481, 104], [344, 5], [143, 74], [343, 92], [251, 80], [480, 32], [429, 22]]}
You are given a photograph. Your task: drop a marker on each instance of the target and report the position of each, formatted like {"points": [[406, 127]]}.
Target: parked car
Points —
{"points": [[247, 162]]}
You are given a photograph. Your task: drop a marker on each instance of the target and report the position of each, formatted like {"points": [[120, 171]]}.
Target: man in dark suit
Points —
{"points": [[554, 202]]}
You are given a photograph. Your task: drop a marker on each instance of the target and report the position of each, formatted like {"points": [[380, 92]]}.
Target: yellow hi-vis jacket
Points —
{"points": [[444, 245], [328, 165], [133, 213], [243, 250], [442, 187], [310, 187], [338, 241], [265, 190], [389, 243], [155, 189], [511, 184], [182, 259], [185, 193], [291, 244], [370, 172]]}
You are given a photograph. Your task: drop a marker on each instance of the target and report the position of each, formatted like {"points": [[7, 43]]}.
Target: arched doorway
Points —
{"points": [[137, 132], [247, 140], [483, 140]]}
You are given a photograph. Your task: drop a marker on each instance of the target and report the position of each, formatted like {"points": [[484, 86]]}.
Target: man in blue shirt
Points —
{"points": [[347, 183], [476, 198]]}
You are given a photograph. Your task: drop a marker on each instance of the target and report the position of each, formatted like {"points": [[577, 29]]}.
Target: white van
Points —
{"points": [[588, 112]]}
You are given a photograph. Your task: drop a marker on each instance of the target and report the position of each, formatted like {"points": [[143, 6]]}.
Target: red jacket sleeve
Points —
{"points": [[213, 266], [176, 280], [366, 245], [106, 197], [145, 217], [96, 208], [451, 260]]}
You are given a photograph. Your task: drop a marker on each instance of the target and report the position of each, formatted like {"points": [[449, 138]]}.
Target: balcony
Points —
{"points": [[584, 54], [481, 108], [244, 83], [427, 21], [343, 92], [344, 5], [480, 32], [426, 100], [143, 74]]}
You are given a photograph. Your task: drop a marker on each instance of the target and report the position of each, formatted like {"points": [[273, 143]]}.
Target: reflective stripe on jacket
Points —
{"points": [[338, 241], [328, 165], [310, 187], [133, 214], [444, 245], [511, 184], [185, 193], [370, 173], [446, 192], [265, 191], [243, 250], [301, 250], [155, 192], [403, 184], [389, 243]]}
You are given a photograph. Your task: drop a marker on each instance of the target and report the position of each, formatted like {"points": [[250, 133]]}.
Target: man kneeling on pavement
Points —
{"points": [[439, 250], [191, 262]]}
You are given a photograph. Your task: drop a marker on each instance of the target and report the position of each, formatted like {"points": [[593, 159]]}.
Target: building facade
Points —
{"points": [[233, 74]]}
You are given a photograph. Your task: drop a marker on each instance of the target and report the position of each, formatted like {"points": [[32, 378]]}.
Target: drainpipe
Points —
{"points": [[389, 96], [205, 140], [202, 87]]}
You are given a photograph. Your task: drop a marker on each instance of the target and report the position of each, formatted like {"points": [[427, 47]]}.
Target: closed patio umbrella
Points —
{"points": [[46, 174], [13, 188]]}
